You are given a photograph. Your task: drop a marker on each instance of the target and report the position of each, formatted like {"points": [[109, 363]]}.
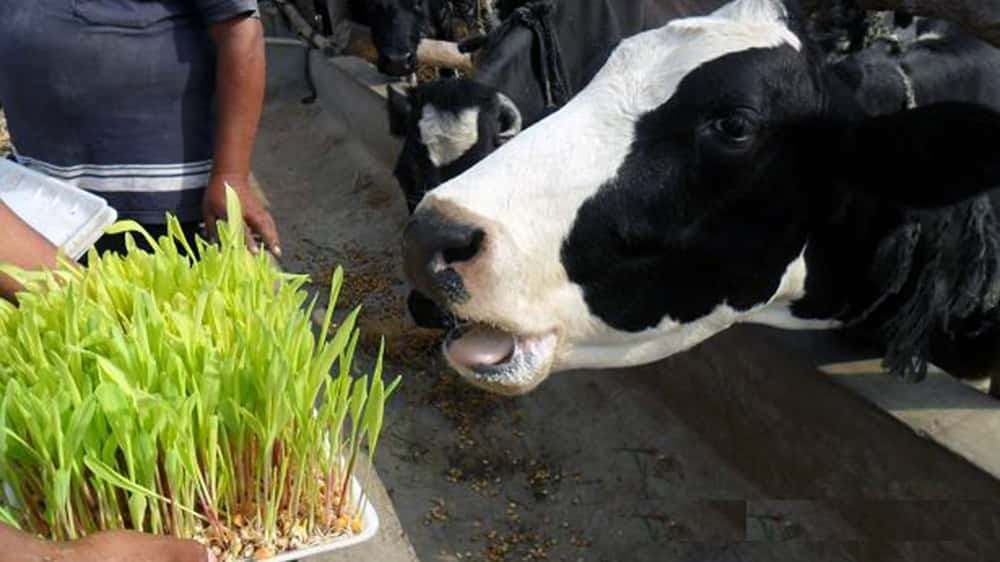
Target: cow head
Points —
{"points": [[397, 28], [447, 126], [675, 196]]}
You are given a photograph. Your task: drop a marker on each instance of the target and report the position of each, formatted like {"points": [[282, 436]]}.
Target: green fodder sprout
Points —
{"points": [[160, 393]]}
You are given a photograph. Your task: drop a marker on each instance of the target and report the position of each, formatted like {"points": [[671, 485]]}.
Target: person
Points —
{"points": [[151, 104]]}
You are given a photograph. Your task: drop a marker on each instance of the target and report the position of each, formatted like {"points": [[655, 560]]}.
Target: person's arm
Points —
{"points": [[118, 546], [22, 246], [239, 97]]}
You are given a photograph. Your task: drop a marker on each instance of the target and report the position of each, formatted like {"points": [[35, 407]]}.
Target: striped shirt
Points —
{"points": [[115, 96]]}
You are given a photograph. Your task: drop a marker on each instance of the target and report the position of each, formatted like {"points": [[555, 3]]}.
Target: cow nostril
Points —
{"points": [[432, 246], [465, 252]]}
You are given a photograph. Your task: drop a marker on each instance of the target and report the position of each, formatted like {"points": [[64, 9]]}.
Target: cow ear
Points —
{"points": [[399, 112], [510, 119], [933, 156]]}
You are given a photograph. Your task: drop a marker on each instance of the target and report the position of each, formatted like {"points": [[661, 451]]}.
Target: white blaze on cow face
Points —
{"points": [[448, 135], [527, 195]]}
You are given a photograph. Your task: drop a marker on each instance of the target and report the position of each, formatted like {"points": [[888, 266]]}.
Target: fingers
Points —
{"points": [[176, 550], [251, 240], [124, 546], [263, 225], [258, 223], [191, 551], [211, 228]]}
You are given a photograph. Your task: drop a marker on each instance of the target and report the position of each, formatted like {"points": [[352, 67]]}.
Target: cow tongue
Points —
{"points": [[481, 346]]}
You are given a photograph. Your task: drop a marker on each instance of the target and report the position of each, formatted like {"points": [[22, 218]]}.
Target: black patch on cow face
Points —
{"points": [[397, 27], [416, 173], [713, 202]]}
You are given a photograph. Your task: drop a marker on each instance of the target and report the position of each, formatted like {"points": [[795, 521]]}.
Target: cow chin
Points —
{"points": [[509, 362], [498, 361]]}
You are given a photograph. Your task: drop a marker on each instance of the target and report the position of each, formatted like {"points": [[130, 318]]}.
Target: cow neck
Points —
{"points": [[537, 18]]}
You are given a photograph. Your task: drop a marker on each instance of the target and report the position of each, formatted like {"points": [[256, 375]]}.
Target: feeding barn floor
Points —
{"points": [[737, 451]]}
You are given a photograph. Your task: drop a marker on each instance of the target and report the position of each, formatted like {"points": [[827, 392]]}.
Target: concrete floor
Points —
{"points": [[732, 452]]}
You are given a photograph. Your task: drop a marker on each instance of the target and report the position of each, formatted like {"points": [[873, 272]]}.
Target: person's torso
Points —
{"points": [[112, 95]]}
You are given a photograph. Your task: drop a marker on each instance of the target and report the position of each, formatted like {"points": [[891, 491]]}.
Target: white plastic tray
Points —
{"points": [[369, 526], [67, 216]]}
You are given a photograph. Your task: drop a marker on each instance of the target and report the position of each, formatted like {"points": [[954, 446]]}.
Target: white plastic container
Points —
{"points": [[369, 526], [70, 218]]}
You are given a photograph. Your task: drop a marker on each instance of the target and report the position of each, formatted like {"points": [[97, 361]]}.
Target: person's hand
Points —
{"points": [[123, 546], [259, 223], [115, 546]]}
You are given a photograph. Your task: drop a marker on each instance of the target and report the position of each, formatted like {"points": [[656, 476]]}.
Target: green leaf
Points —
{"points": [[78, 426], [234, 216], [335, 284], [60, 489], [8, 519], [109, 475], [137, 505], [130, 226]]}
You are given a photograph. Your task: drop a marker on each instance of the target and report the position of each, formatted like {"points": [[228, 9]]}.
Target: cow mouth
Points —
{"points": [[498, 360]]}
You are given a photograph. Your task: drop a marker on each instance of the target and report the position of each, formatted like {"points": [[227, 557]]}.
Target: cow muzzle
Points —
{"points": [[448, 260], [433, 247], [397, 64]]}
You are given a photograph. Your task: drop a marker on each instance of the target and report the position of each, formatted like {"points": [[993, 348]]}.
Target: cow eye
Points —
{"points": [[736, 127]]}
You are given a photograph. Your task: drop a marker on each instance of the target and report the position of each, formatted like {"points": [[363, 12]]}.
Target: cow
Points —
{"points": [[926, 61], [447, 126], [399, 25], [716, 171], [980, 17]]}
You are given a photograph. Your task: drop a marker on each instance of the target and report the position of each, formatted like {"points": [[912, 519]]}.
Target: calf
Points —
{"points": [[716, 171]]}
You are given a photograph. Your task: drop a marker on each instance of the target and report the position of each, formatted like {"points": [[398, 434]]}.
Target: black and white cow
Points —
{"points": [[716, 171], [399, 25], [927, 62], [448, 126]]}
